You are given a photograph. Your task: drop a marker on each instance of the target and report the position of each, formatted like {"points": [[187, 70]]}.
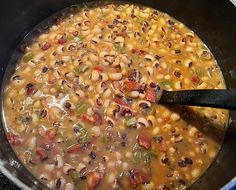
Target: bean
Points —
{"points": [[95, 75], [134, 94], [104, 77], [152, 120], [195, 173], [111, 177], [115, 76], [143, 121], [175, 117], [69, 186], [107, 93]]}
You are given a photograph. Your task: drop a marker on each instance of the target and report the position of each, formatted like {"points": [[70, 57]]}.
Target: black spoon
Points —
{"points": [[225, 99]]}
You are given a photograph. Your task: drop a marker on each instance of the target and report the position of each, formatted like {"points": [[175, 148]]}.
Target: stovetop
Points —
{"points": [[6, 184]]}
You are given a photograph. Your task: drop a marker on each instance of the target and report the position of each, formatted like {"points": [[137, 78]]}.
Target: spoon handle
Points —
{"points": [[225, 99]]}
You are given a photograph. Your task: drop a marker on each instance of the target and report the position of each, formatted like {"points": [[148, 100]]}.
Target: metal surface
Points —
{"points": [[214, 21], [225, 99]]}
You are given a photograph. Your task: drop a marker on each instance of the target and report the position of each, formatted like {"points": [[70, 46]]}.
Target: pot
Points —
{"points": [[213, 21]]}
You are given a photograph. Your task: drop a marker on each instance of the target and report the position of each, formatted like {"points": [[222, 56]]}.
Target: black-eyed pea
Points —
{"points": [[69, 186], [93, 58], [104, 77], [94, 76], [175, 117], [134, 94], [195, 172], [111, 177], [115, 76], [119, 39], [143, 122], [149, 57], [152, 120], [125, 165], [107, 93], [155, 130], [67, 168]]}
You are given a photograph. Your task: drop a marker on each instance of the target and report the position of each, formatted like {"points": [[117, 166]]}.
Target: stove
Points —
{"points": [[6, 184]]}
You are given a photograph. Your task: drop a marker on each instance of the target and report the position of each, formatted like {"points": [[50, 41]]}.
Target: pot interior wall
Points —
{"points": [[214, 21]]}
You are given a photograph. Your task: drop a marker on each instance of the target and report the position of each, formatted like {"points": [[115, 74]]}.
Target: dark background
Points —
{"points": [[214, 21]]}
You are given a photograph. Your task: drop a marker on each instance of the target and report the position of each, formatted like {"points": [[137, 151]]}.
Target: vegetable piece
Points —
{"points": [[82, 108], [139, 52], [74, 148], [46, 46], [51, 134], [87, 118], [99, 68], [144, 140], [83, 134], [149, 156], [118, 47], [81, 69], [30, 89], [93, 180], [43, 155], [151, 95], [60, 88], [196, 80], [130, 121], [166, 83], [105, 139], [75, 176], [137, 156], [62, 40], [135, 178], [121, 102], [27, 57], [97, 118], [131, 86], [13, 139]]}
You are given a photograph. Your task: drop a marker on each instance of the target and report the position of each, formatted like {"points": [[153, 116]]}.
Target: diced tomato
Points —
{"points": [[151, 95], [121, 102], [131, 85], [30, 89], [46, 144], [99, 68], [13, 139], [62, 40], [139, 52], [74, 148], [46, 46], [97, 118], [51, 133], [43, 155], [110, 136], [88, 118], [93, 180], [135, 178], [196, 80], [144, 140]]}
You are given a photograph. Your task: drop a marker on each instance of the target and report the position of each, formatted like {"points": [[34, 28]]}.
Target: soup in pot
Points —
{"points": [[80, 109]]}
